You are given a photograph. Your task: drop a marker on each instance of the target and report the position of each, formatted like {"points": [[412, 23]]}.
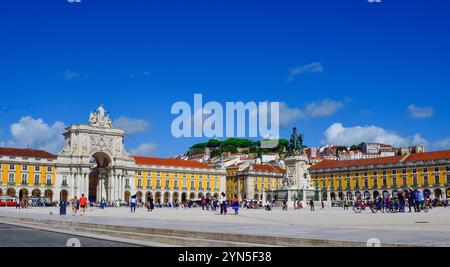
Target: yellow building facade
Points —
{"points": [[251, 181], [368, 178]]}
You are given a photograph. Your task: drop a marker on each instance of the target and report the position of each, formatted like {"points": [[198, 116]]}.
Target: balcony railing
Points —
{"points": [[11, 183]]}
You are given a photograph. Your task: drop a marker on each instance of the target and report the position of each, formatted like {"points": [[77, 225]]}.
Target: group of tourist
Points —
{"points": [[215, 204], [79, 204], [411, 199]]}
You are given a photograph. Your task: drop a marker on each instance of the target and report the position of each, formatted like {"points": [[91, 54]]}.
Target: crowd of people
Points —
{"points": [[411, 199]]}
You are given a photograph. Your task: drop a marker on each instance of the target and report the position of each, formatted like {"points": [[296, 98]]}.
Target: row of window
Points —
{"points": [[25, 181], [384, 181], [176, 175], [394, 172], [176, 183], [37, 168]]}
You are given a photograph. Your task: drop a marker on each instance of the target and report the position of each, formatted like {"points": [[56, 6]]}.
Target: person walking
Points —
{"points": [[235, 205], [223, 204], [285, 206], [74, 202], [133, 202], [323, 205], [83, 204], [18, 204], [311, 204], [149, 203], [203, 203]]}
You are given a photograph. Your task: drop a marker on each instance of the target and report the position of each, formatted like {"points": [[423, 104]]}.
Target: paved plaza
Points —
{"points": [[430, 229]]}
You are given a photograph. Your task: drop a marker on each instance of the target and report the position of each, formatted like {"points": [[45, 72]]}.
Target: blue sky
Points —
{"points": [[345, 71]]}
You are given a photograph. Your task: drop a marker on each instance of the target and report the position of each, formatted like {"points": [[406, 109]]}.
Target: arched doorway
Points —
{"points": [[376, 194], [192, 196], [385, 193], [127, 196], [256, 197], [367, 195], [147, 195], [183, 196], [48, 194], [208, 195], [269, 197], [333, 196], [358, 195], [175, 197], [99, 176], [139, 196], [438, 193], [36, 193], [23, 193], [166, 197], [216, 195], [200, 195], [11, 192], [341, 195], [64, 195], [349, 195], [158, 197]]}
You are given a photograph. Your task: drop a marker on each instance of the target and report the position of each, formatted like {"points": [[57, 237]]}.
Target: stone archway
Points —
{"points": [[438, 193], [36, 193], [11, 192], [166, 198], [158, 197], [376, 194], [147, 195], [183, 196], [64, 195], [48, 194], [175, 197], [139, 197], [200, 195], [127, 196], [99, 177], [341, 195], [192, 196], [216, 195], [333, 196], [23, 193]]}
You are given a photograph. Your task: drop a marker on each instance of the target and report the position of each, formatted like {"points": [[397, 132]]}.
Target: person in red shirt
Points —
{"points": [[83, 202]]}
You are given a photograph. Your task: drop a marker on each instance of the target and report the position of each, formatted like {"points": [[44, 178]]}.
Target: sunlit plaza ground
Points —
{"points": [[432, 228]]}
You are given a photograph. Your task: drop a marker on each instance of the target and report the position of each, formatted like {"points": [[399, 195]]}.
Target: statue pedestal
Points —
{"points": [[297, 182]]}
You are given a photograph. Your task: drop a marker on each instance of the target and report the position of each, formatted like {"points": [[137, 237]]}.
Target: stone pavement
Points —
{"points": [[427, 229]]}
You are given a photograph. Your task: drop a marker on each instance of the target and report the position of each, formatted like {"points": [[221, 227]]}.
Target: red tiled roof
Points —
{"points": [[171, 162], [331, 164], [265, 168], [26, 153], [435, 155]]}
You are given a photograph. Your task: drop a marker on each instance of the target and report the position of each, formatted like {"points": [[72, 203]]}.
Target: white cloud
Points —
{"points": [[145, 149], [308, 68], [315, 109], [442, 144], [131, 126], [420, 112], [339, 134], [70, 75], [35, 133]]}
